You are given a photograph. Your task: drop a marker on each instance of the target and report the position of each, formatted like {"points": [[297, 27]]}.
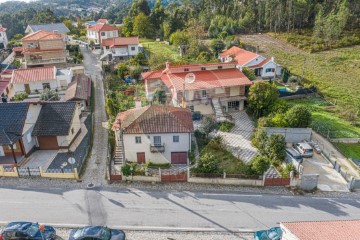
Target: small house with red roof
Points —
{"points": [[120, 48], [103, 20], [43, 48], [263, 67], [3, 37], [160, 134], [100, 31], [199, 86]]}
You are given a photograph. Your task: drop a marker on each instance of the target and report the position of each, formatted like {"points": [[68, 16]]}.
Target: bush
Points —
{"points": [[158, 165], [49, 95], [208, 164], [128, 169], [209, 125], [275, 148], [294, 79], [226, 126], [216, 143], [259, 140], [259, 164], [298, 116], [250, 74], [20, 96]]}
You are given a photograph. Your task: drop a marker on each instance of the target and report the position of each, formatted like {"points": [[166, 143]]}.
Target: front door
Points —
{"points": [[27, 88], [140, 157], [2, 153]]}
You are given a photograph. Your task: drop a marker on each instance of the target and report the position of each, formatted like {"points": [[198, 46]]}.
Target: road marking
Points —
{"points": [[233, 195], [287, 196]]}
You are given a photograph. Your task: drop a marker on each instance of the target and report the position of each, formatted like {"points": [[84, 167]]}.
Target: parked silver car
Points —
{"points": [[304, 149]]}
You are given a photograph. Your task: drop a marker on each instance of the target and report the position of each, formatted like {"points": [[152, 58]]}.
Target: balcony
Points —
{"points": [[45, 61], [157, 148]]}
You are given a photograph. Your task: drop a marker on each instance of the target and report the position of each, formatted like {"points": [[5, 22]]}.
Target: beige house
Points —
{"points": [[98, 32], [160, 134], [43, 48]]}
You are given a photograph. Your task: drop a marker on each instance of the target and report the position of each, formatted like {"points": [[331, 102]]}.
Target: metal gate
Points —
{"points": [[29, 172]]}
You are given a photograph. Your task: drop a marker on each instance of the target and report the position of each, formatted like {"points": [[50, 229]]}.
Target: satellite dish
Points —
{"points": [[190, 78], [230, 59]]}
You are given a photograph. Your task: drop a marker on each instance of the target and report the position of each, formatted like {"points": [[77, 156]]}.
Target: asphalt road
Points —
{"points": [[132, 209]]}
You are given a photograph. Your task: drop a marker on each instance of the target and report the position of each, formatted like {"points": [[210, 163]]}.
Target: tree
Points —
{"points": [[122, 71], [217, 46], [159, 96], [157, 15], [179, 38], [259, 140], [279, 120], [49, 95], [128, 26], [142, 26], [260, 164], [275, 148], [298, 116], [135, 72], [208, 164], [204, 57], [285, 75], [250, 74], [262, 96], [139, 6]]}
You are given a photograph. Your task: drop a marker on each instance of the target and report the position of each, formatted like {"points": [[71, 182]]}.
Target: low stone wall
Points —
{"points": [[227, 181], [291, 135], [309, 181], [73, 175], [142, 178], [345, 140]]}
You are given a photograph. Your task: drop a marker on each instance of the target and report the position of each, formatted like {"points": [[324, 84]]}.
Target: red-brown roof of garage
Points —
{"points": [[33, 74], [154, 119]]}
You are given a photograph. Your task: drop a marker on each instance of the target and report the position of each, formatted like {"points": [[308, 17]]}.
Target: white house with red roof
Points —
{"points": [[156, 133], [100, 31], [265, 68], [35, 80], [3, 37], [199, 86], [120, 48]]}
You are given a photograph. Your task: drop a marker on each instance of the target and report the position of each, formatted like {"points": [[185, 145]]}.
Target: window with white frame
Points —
{"points": [[137, 139], [203, 94], [157, 140], [175, 139]]}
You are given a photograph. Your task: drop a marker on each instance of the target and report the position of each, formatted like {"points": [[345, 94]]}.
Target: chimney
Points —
{"points": [[137, 102], [257, 49], [167, 64], [272, 59]]}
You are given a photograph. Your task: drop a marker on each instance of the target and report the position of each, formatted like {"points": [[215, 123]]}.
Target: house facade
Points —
{"points": [[44, 48], [120, 48], [200, 86], [59, 28], [36, 80], [3, 37], [100, 31], [160, 134], [262, 67]]}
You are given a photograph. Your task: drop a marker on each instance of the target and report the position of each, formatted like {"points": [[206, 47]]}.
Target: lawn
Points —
{"points": [[160, 48], [326, 120], [349, 150]]}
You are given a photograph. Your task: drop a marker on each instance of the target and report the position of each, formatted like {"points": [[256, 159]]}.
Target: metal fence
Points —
{"points": [[64, 170], [28, 172], [9, 169]]}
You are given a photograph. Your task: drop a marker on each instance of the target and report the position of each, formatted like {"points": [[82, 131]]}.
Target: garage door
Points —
{"points": [[48, 143], [179, 158]]}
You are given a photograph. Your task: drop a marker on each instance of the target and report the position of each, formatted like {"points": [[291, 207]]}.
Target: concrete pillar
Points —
{"points": [[241, 106], [76, 174]]}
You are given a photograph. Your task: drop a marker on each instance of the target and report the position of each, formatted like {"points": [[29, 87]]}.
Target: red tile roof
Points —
{"points": [[174, 76], [2, 29], [33, 75], [42, 35], [78, 89], [259, 65], [102, 27], [102, 20], [241, 55], [329, 230], [17, 49], [120, 41], [154, 119], [4, 82]]}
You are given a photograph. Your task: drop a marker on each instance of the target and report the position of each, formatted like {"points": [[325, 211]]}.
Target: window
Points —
{"points": [[203, 68], [175, 139], [137, 139], [234, 105], [270, 70], [132, 48], [157, 140], [186, 69], [28, 137], [219, 67], [103, 34], [203, 93], [46, 86]]}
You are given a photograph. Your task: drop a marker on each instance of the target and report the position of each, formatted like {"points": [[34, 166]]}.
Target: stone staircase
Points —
{"points": [[119, 153], [220, 117]]}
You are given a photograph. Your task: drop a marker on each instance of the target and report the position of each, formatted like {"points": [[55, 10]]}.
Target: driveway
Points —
{"points": [[329, 178], [40, 158], [238, 140]]}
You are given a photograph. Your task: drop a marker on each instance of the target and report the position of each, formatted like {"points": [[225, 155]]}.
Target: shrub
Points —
{"points": [[208, 164], [128, 169], [216, 143], [209, 124], [275, 148], [49, 95], [293, 79], [298, 116], [20, 96], [259, 140], [250, 74], [259, 164], [226, 126], [158, 165]]}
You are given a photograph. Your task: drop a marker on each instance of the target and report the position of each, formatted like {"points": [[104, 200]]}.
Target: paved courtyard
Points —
{"points": [[238, 140], [40, 158]]}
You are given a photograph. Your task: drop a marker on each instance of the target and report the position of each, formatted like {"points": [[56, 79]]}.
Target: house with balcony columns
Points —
{"points": [[156, 133], [44, 48], [208, 88]]}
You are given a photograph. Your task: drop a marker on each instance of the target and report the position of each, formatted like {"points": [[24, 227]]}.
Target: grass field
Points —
{"points": [[326, 121], [349, 150], [160, 48]]}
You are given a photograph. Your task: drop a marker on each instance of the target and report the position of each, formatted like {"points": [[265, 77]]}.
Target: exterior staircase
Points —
{"points": [[220, 117], [119, 153]]}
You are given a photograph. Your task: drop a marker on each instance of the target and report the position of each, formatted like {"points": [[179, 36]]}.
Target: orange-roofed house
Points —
{"points": [[156, 133], [3, 37], [100, 31], [329, 230], [103, 20], [219, 84], [120, 48], [44, 48], [264, 68]]}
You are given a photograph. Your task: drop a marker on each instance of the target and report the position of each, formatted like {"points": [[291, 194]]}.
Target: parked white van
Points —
{"points": [[304, 149]]}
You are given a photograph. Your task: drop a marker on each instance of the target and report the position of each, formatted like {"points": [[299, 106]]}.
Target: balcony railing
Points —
{"points": [[45, 61], [157, 148]]}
